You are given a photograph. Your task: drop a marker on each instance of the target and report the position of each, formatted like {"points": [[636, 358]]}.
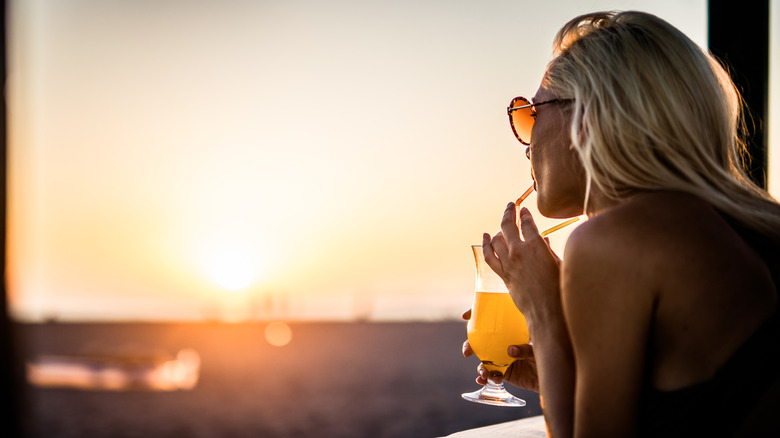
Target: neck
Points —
{"points": [[599, 202]]}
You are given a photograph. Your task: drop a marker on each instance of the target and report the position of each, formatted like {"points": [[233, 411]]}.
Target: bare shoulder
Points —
{"points": [[647, 230], [647, 244], [653, 278], [671, 261]]}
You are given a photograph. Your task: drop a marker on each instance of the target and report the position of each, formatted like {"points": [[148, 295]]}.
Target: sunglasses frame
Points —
{"points": [[533, 106]]}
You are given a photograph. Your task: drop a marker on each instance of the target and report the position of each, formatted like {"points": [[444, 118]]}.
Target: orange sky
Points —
{"points": [[342, 155]]}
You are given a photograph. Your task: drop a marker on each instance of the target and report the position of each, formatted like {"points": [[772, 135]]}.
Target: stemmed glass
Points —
{"points": [[495, 324]]}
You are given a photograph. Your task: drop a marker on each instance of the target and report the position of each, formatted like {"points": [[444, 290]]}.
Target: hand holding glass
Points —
{"points": [[495, 324]]}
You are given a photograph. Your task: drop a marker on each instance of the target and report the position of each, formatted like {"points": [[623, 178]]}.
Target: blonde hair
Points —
{"points": [[653, 111]]}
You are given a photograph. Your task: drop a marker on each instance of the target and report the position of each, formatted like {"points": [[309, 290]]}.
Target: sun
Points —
{"points": [[233, 269]]}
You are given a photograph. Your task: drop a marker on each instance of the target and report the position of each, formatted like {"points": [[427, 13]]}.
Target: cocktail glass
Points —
{"points": [[495, 324]]}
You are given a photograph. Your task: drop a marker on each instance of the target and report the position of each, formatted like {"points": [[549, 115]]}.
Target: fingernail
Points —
{"points": [[513, 351], [511, 204]]}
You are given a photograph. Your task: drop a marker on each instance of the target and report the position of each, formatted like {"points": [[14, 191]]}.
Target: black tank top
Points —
{"points": [[720, 406], [717, 407]]}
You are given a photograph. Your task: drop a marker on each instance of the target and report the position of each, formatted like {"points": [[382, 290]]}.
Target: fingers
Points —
{"points": [[492, 247], [510, 232], [524, 351], [466, 349], [496, 249], [483, 373], [527, 225], [492, 250], [509, 223], [494, 376]]}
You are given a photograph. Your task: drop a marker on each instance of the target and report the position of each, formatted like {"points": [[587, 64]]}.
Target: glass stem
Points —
{"points": [[494, 389]]}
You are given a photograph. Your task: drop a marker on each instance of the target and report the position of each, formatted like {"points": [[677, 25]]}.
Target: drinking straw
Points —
{"points": [[549, 230], [559, 226], [524, 195]]}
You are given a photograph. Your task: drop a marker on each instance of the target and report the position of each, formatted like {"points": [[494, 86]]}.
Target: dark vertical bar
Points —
{"points": [[739, 37], [10, 386]]}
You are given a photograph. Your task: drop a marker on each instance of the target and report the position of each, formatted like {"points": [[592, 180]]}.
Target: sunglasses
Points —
{"points": [[522, 114]]}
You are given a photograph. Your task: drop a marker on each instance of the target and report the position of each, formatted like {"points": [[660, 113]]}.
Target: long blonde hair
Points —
{"points": [[653, 111]]}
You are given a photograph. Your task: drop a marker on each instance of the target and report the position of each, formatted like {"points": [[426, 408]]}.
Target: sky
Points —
{"points": [[242, 159]]}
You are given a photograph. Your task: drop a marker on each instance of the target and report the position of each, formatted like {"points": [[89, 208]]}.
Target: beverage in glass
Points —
{"points": [[495, 324]]}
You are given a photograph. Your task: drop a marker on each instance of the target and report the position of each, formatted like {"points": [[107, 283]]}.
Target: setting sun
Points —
{"points": [[232, 270], [232, 263]]}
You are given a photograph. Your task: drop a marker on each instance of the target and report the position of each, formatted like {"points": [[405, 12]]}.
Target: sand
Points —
{"points": [[334, 379]]}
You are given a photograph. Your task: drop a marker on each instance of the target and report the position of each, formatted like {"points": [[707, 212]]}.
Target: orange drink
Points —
{"points": [[495, 324]]}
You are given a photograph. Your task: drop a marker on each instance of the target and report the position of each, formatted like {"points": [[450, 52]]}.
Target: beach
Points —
{"points": [[333, 379]]}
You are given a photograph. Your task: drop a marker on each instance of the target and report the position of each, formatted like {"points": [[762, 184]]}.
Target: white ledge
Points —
{"points": [[531, 427]]}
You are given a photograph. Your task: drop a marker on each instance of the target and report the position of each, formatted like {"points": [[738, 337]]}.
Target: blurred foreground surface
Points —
{"points": [[320, 379]]}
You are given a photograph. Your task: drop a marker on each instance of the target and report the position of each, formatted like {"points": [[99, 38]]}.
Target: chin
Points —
{"points": [[556, 210], [554, 214]]}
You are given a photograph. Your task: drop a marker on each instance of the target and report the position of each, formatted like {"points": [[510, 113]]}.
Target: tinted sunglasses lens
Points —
{"points": [[522, 119]]}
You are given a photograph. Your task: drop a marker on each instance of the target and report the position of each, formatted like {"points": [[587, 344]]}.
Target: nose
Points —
{"points": [[528, 152]]}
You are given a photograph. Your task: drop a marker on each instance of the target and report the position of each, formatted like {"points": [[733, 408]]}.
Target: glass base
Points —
{"points": [[495, 395]]}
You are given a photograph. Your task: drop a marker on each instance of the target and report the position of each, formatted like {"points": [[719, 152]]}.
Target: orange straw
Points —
{"points": [[559, 226], [549, 230], [524, 195]]}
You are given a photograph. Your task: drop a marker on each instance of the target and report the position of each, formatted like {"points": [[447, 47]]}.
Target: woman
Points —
{"points": [[661, 318]]}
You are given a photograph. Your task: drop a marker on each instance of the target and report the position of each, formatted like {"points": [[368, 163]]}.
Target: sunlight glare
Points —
{"points": [[278, 334], [232, 269]]}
